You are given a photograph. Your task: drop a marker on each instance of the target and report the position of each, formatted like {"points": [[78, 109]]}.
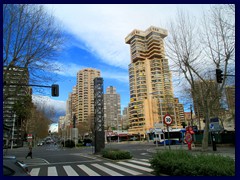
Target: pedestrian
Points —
{"points": [[30, 152]]}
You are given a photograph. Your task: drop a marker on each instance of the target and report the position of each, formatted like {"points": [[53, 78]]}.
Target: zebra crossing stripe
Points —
{"points": [[136, 166], [70, 171], [147, 160], [123, 169], [106, 170], [139, 162], [88, 170], [52, 171], [35, 171]]}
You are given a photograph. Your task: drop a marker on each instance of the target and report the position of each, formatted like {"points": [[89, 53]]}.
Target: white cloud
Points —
{"points": [[45, 101], [103, 27], [71, 69], [122, 77], [53, 127], [68, 70]]}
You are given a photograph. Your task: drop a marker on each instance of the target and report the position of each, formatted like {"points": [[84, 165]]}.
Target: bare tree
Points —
{"points": [[40, 121], [198, 50], [31, 39]]}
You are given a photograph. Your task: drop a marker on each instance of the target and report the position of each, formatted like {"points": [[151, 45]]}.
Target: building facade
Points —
{"points": [[230, 95], [151, 91], [112, 109], [13, 92], [84, 103], [125, 118]]}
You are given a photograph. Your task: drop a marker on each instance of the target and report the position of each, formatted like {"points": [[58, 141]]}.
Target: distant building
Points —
{"points": [[112, 109], [230, 94], [84, 100], [179, 112], [198, 98]]}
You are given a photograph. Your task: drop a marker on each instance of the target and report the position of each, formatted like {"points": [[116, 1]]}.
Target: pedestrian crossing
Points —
{"points": [[120, 168]]}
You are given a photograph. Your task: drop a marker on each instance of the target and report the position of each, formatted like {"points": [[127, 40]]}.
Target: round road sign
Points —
{"points": [[188, 137], [167, 119]]}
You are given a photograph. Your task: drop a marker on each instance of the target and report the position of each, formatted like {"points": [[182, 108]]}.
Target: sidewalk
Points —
{"points": [[221, 149]]}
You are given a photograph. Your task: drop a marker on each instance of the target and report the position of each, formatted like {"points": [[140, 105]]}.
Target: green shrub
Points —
{"points": [[79, 145], [183, 163], [69, 143], [116, 154]]}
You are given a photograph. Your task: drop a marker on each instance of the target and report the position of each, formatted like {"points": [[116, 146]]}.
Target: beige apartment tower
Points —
{"points": [[85, 97], [151, 91]]}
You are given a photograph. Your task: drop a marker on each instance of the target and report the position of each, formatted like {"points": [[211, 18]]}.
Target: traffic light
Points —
{"points": [[219, 75], [55, 90]]}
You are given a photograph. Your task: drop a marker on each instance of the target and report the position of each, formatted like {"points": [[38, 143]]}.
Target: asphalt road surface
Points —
{"points": [[52, 160]]}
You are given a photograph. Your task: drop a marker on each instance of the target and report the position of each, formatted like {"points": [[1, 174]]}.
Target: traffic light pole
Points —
{"points": [[54, 87]]}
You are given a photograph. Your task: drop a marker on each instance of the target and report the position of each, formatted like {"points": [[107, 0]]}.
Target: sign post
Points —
{"points": [[188, 137], [168, 121], [214, 127]]}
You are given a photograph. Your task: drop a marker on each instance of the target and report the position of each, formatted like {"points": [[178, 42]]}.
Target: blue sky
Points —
{"points": [[96, 39]]}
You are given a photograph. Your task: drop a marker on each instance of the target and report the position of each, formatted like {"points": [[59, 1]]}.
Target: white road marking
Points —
{"points": [[139, 162], [88, 170], [35, 172], [106, 170], [136, 166], [52, 171], [123, 169], [70, 171]]}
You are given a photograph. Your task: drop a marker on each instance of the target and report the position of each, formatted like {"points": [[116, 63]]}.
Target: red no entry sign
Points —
{"points": [[188, 137]]}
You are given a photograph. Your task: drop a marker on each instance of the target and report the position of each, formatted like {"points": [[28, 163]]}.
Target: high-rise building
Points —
{"points": [[112, 109], [125, 118], [151, 91], [85, 97], [230, 95], [15, 89], [179, 109], [203, 89]]}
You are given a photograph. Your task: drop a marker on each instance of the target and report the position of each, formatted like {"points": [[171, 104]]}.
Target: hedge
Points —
{"points": [[115, 154], [184, 163], [69, 143]]}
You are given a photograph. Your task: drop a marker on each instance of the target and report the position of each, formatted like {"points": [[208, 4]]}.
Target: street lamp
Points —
{"points": [[14, 116], [118, 128], [191, 115], [160, 104]]}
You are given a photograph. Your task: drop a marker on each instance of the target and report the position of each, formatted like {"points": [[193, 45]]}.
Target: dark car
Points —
{"points": [[14, 167]]}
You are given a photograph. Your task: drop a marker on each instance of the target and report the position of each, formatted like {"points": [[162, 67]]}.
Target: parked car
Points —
{"points": [[13, 167], [40, 144], [87, 142]]}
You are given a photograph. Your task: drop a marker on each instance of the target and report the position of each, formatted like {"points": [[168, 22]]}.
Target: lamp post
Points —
{"points": [[192, 121], [191, 115], [118, 128], [160, 104], [14, 116]]}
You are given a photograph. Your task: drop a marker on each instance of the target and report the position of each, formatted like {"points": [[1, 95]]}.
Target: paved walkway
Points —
{"points": [[224, 150]]}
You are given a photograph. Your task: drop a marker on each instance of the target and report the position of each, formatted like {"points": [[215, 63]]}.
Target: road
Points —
{"points": [[51, 160]]}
